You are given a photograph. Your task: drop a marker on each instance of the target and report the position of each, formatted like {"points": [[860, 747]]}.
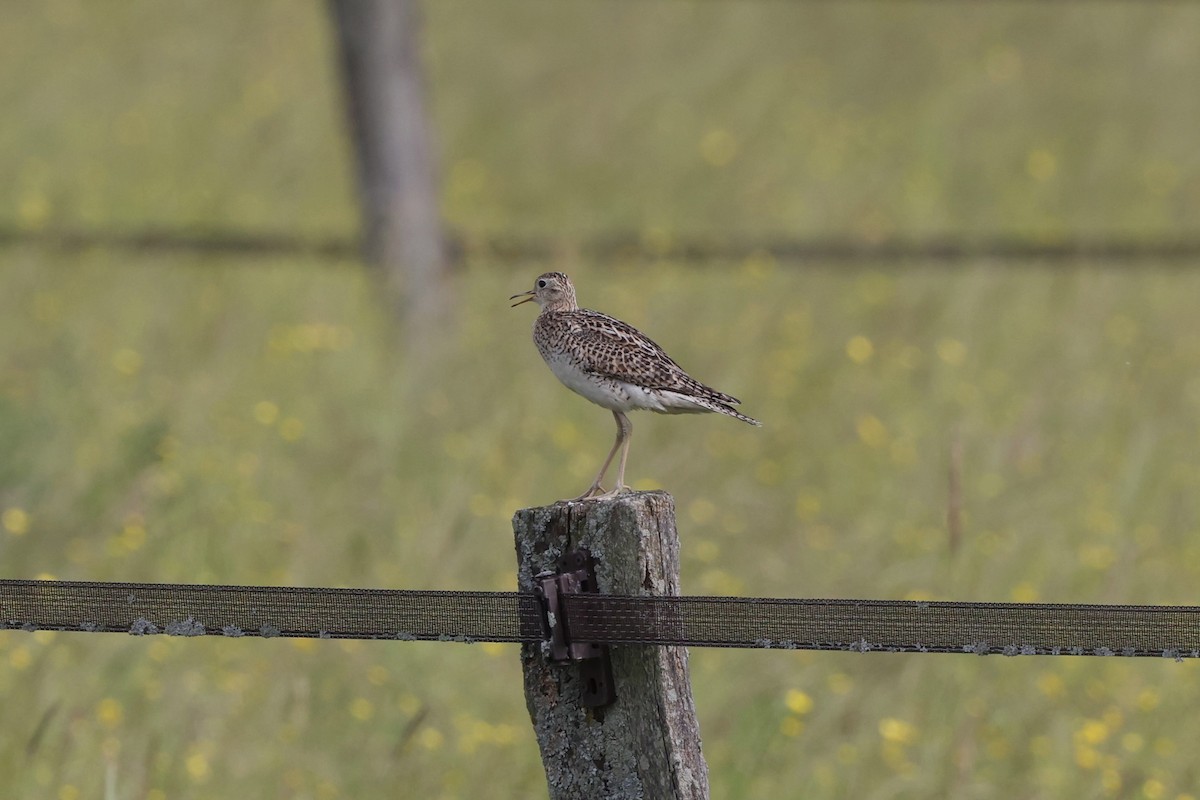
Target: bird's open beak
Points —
{"points": [[527, 295]]}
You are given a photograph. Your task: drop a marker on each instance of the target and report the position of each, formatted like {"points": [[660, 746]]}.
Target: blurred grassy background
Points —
{"points": [[198, 418]]}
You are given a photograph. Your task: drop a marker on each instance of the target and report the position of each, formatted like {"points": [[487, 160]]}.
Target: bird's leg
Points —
{"points": [[625, 428], [624, 435], [595, 490]]}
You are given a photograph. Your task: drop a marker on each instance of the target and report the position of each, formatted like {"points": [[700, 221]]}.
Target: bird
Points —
{"points": [[614, 365]]}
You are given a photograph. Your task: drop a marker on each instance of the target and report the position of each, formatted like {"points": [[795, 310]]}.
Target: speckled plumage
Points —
{"points": [[614, 365]]}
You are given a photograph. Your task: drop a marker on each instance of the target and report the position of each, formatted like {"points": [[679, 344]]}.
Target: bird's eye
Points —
{"points": [[541, 284]]}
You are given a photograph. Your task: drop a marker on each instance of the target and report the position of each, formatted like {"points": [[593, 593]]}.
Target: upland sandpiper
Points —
{"points": [[615, 366]]}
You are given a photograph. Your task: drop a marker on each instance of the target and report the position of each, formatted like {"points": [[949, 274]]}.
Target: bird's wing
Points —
{"points": [[615, 349]]}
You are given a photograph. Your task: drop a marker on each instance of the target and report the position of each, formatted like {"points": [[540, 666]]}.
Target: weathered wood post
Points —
{"points": [[646, 744], [380, 49]]}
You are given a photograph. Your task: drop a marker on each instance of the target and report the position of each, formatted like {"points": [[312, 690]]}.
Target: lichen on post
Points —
{"points": [[647, 743]]}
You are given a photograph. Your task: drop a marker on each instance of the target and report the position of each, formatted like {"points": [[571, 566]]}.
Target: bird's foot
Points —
{"points": [[619, 489], [593, 492], [596, 492]]}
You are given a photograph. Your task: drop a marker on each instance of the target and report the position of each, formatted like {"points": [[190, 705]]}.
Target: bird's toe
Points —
{"points": [[596, 490]]}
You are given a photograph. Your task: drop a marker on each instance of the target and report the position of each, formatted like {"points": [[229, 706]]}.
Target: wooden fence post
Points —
{"points": [[646, 745], [384, 86]]}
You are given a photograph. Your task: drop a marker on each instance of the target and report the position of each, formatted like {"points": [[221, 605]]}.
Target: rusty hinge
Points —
{"points": [[576, 573]]}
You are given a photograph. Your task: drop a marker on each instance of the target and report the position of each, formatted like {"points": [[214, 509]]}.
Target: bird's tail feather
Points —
{"points": [[690, 403], [728, 411], [698, 389]]}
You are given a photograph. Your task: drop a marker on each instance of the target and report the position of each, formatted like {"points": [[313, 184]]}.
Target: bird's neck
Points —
{"points": [[560, 305]]}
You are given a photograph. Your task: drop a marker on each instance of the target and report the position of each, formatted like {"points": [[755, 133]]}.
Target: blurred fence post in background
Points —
{"points": [[384, 88], [646, 744]]}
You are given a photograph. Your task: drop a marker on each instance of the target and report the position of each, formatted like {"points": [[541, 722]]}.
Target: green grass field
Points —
{"points": [[203, 419]]}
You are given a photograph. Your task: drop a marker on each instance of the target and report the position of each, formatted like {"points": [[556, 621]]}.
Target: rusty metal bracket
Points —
{"points": [[576, 574]]}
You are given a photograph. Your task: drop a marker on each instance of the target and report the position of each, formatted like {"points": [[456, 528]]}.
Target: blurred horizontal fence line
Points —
{"points": [[471, 616], [631, 245]]}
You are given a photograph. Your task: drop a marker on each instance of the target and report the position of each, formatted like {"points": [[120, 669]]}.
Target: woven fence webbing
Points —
{"points": [[888, 625], [852, 625], [189, 609]]}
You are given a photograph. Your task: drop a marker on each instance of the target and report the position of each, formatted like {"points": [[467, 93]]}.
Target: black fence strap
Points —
{"points": [[196, 610], [1181, 249], [850, 625], [888, 625]]}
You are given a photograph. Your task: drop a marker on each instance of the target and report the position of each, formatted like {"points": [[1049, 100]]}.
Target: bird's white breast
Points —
{"points": [[614, 394], [601, 391]]}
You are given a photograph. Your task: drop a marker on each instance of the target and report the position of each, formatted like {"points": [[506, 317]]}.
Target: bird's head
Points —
{"points": [[553, 291]]}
